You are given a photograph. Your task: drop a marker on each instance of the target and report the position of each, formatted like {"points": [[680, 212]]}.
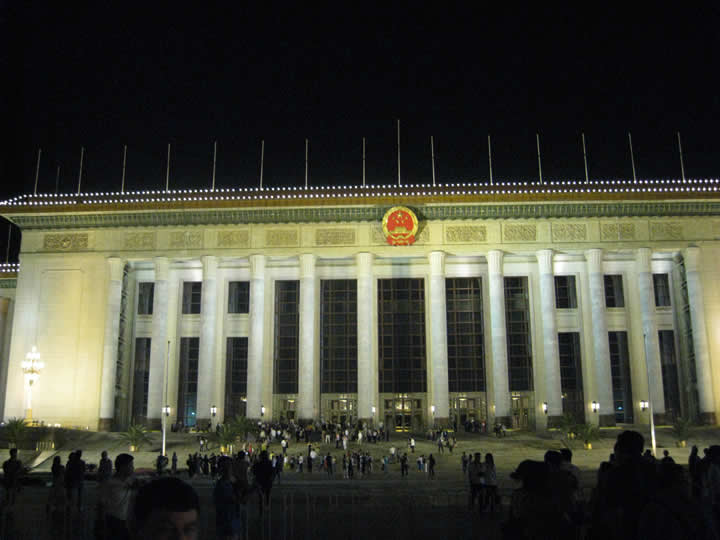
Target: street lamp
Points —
{"points": [[262, 410], [31, 367], [166, 413]]}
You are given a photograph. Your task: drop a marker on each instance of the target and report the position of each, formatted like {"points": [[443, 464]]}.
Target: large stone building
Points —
{"points": [[517, 302]]}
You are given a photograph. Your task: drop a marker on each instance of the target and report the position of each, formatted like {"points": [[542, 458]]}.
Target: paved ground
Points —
{"points": [[317, 506]]}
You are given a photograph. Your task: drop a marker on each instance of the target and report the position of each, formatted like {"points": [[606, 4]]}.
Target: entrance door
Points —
{"points": [[521, 412], [406, 414]]}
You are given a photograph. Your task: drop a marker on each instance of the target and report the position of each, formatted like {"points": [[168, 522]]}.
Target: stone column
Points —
{"points": [[438, 339], [158, 343], [4, 367], [700, 340], [110, 347], [650, 332], [256, 338], [367, 369], [206, 362], [308, 373], [501, 385], [551, 354], [601, 348]]}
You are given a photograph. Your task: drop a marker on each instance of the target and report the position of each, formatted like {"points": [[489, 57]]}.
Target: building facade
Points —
{"points": [[516, 303]]}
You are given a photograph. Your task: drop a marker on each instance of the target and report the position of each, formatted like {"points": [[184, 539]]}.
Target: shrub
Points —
{"points": [[136, 436]]}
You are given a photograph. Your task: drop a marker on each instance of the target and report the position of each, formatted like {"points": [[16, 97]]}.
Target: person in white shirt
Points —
{"points": [[116, 497]]}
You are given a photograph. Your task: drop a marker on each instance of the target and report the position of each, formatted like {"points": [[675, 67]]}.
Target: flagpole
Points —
{"points": [[262, 160], [682, 164], [587, 178], [398, 149], [432, 157], [7, 249], [122, 182], [57, 179], [306, 163], [363, 161], [490, 160], [632, 158], [214, 164], [82, 155], [537, 138], [37, 170], [167, 171]]}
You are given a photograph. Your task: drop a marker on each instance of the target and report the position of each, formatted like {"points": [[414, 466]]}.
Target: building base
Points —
{"points": [[441, 422], [105, 424], [606, 420], [201, 424], [506, 421], [707, 419], [660, 419], [153, 424], [554, 421], [367, 422]]}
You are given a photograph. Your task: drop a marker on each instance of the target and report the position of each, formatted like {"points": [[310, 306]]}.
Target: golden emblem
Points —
{"points": [[400, 225]]}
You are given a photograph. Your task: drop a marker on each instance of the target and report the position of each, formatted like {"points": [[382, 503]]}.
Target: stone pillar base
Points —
{"points": [[302, 421], [105, 424], [441, 422], [504, 420], [201, 424], [367, 422], [606, 420], [554, 421], [660, 419], [707, 418], [153, 424]]}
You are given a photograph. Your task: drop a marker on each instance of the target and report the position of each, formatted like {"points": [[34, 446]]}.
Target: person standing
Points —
{"points": [[431, 466], [412, 445], [75, 477], [12, 471], [475, 478], [105, 468], [116, 496], [227, 514], [174, 463]]}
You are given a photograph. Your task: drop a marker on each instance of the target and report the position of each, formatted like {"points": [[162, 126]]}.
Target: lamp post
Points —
{"points": [[166, 413], [31, 367], [213, 414]]}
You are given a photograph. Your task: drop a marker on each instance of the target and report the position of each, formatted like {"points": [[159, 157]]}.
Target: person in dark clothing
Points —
{"points": [[695, 470], [263, 473], [75, 477]]}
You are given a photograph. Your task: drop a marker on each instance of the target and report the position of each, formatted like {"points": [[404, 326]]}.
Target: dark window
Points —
{"points": [[338, 336], [146, 292], [141, 380], [192, 297], [236, 361], [668, 363], [287, 329], [517, 320], [573, 400], [401, 335], [239, 297], [565, 292], [620, 368], [465, 336], [188, 380], [661, 285], [614, 295]]}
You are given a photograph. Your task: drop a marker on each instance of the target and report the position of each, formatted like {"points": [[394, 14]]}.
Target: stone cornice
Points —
{"points": [[348, 214]]}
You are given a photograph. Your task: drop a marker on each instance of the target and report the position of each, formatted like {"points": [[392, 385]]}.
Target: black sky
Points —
{"points": [[104, 74]]}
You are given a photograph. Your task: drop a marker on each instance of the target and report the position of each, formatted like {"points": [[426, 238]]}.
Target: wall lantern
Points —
{"points": [[595, 406], [545, 407]]}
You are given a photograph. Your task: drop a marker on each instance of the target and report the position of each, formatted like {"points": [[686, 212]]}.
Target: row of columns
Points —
{"points": [[308, 387]]}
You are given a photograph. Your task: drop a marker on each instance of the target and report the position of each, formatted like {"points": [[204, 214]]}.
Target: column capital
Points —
{"points": [[643, 258], [257, 265], [307, 265], [692, 259], [545, 260], [437, 263], [594, 257], [209, 264], [116, 266], [162, 268], [495, 261]]}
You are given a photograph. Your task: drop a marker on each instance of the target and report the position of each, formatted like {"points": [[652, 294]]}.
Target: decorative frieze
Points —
{"points": [[8, 283], [228, 239], [335, 237], [465, 234], [666, 231], [65, 242], [140, 240], [569, 232], [524, 232], [611, 232], [282, 238], [186, 239]]}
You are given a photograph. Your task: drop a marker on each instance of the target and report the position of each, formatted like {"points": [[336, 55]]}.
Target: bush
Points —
{"points": [[681, 429], [16, 430], [136, 436], [588, 432]]}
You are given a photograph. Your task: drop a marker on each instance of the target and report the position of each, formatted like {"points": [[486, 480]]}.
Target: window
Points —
{"points": [[146, 292], [573, 401], [141, 380], [620, 369], [338, 336], [661, 285], [465, 337], [565, 295], [517, 320], [236, 360], [401, 335], [192, 297], [614, 295], [287, 330], [668, 364], [188, 380], [239, 297]]}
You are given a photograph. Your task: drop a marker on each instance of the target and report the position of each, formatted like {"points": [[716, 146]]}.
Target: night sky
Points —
{"points": [[106, 74]]}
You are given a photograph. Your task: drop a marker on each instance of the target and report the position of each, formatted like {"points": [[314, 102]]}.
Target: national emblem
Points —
{"points": [[400, 226]]}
